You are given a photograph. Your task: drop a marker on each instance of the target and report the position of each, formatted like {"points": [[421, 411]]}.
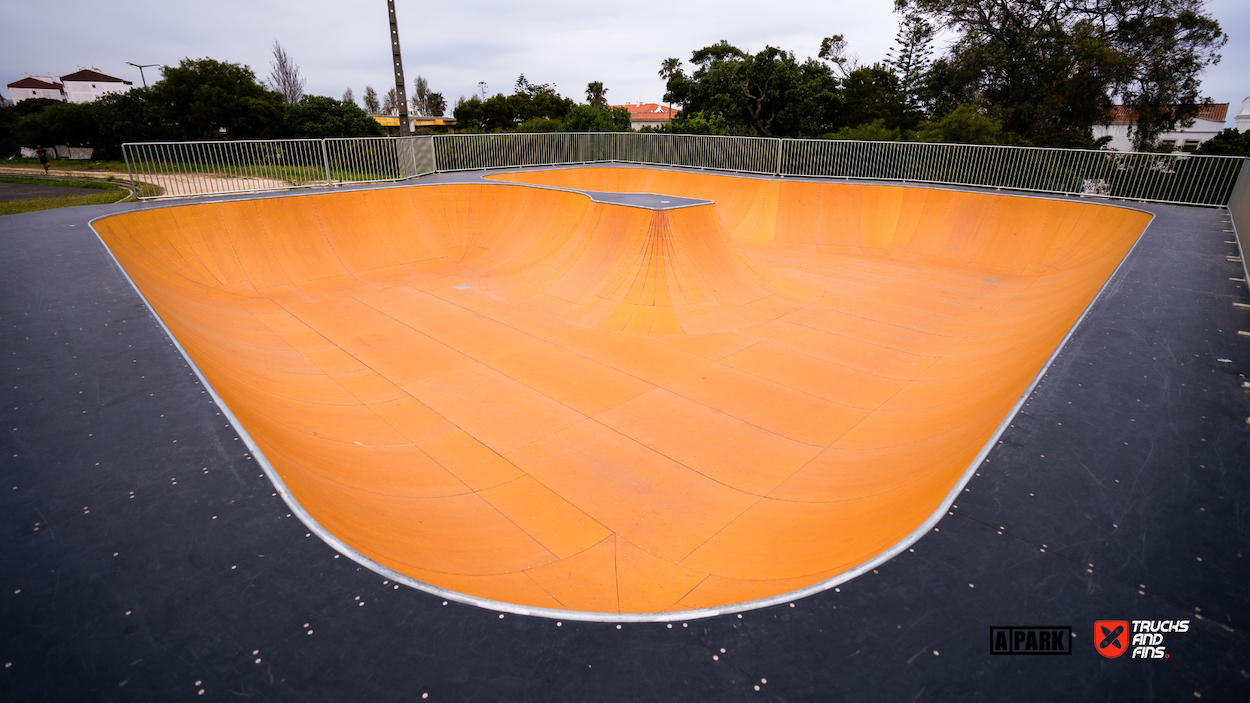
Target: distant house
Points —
{"points": [[82, 86], [28, 87], [648, 114], [1207, 123], [1242, 120], [415, 122], [87, 85]]}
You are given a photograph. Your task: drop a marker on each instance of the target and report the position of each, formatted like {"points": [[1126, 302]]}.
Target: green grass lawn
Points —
{"points": [[109, 193], [341, 168], [67, 164]]}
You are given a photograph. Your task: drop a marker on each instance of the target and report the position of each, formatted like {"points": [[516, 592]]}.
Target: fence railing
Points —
{"points": [[466, 152], [180, 169], [1175, 178]]}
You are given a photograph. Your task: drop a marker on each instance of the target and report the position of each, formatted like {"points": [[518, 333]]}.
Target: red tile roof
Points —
{"points": [[88, 76], [643, 111], [1215, 111], [34, 83]]}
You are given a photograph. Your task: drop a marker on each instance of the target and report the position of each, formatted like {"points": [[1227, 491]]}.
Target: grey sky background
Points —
{"points": [[455, 45]]}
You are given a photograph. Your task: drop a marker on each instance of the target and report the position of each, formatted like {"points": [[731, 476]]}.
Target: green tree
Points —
{"points": [[31, 106], [596, 94], [202, 97], [947, 85], [1071, 138], [437, 104], [872, 93], [540, 124], [420, 100], [133, 116], [668, 69], [700, 123], [1166, 45], [318, 117], [875, 131], [372, 106], [468, 113], [500, 113], [964, 125], [72, 124], [1045, 66], [909, 58], [588, 118], [833, 50], [10, 145], [284, 75], [768, 94], [538, 100], [1229, 142]]}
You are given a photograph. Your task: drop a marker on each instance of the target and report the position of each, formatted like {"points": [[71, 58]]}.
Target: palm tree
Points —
{"points": [[595, 93], [668, 69]]}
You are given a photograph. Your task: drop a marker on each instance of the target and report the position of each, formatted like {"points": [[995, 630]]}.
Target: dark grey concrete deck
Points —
{"points": [[145, 557]]}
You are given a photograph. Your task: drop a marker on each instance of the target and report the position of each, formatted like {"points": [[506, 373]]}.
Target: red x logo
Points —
{"points": [[1111, 637]]}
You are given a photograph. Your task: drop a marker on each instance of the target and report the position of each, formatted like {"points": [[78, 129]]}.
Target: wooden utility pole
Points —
{"points": [[400, 94]]}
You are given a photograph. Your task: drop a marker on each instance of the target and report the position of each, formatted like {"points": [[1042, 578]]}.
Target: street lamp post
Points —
{"points": [[400, 93], [141, 67]]}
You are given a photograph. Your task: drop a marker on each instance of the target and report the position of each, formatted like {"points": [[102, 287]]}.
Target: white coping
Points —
{"points": [[587, 616]]}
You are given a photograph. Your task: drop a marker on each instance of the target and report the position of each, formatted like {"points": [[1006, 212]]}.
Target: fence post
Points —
{"points": [[1238, 206], [129, 175], [325, 161], [781, 147]]}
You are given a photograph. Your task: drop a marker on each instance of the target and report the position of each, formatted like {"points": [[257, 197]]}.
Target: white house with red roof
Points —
{"points": [[648, 114], [1242, 121], [1207, 123], [82, 86], [86, 85], [28, 87]]}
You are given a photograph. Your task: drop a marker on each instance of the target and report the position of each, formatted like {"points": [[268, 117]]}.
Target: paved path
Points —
{"points": [[173, 184], [68, 173], [29, 191]]}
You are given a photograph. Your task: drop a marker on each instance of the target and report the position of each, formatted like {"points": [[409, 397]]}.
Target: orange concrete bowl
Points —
{"points": [[523, 398]]}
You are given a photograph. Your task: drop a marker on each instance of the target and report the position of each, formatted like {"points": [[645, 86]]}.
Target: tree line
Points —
{"points": [[199, 99], [1027, 72], [537, 107], [203, 99]]}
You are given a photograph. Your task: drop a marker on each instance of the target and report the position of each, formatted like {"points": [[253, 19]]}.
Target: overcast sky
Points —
{"points": [[456, 45]]}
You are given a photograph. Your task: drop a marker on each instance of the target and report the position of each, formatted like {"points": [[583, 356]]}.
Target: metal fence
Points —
{"points": [[1172, 178], [466, 152], [180, 169]]}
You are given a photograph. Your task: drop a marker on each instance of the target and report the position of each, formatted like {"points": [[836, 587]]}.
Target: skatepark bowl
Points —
{"points": [[705, 396]]}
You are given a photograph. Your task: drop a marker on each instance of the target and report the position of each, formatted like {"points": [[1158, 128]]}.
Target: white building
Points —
{"points": [[86, 85], [648, 115], [1207, 123], [1242, 121], [28, 87]]}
